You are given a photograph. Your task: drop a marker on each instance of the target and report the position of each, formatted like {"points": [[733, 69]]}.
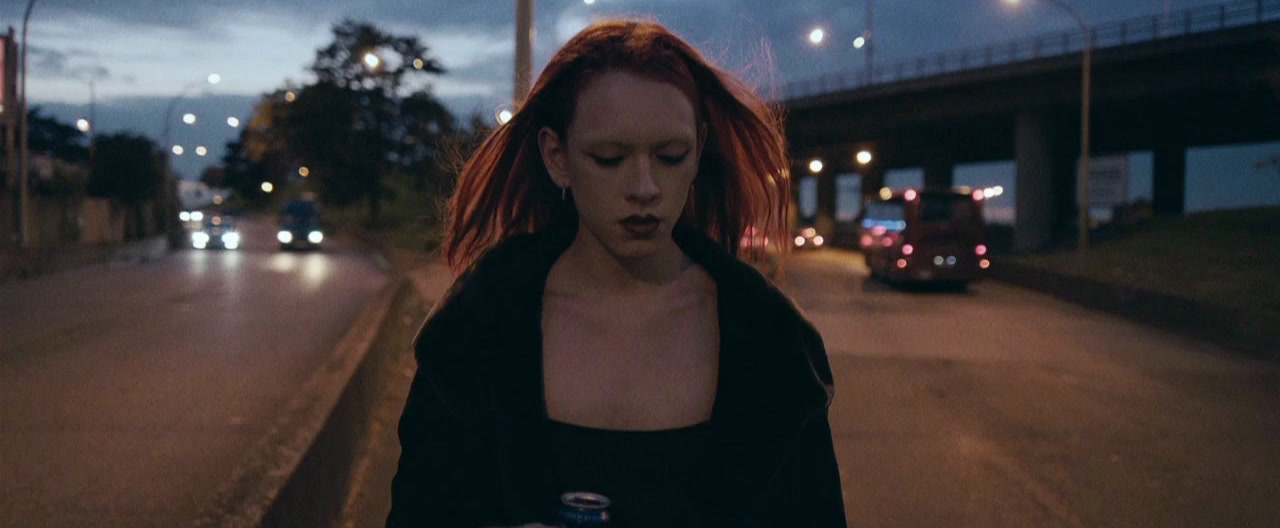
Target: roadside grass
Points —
{"points": [[410, 221], [1226, 257]]}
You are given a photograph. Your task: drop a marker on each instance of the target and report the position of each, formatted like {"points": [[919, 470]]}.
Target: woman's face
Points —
{"points": [[629, 158]]}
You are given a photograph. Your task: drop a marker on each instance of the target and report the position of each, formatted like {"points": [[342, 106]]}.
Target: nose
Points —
{"points": [[642, 188]]}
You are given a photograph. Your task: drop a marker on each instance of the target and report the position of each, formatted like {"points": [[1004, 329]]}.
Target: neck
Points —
{"points": [[598, 269]]}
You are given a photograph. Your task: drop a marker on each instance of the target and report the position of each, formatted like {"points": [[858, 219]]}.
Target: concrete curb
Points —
{"points": [[300, 472], [1254, 332]]}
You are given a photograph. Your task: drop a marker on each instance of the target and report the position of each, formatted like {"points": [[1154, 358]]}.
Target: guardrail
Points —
{"points": [[1196, 20]]}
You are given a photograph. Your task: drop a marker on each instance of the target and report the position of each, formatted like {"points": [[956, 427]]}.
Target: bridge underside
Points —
{"points": [[1145, 99]]}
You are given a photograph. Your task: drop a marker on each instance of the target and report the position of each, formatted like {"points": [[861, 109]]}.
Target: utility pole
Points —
{"points": [[524, 51], [24, 203], [871, 41]]}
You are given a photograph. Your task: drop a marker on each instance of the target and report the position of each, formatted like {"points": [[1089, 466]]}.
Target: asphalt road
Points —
{"points": [[128, 395], [1005, 408]]}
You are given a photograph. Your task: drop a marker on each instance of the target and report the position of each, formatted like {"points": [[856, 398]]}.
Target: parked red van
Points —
{"points": [[925, 235]]}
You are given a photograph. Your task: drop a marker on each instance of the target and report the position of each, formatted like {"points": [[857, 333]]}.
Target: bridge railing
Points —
{"points": [[1108, 35]]}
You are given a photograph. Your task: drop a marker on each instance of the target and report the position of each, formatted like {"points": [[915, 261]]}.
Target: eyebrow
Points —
{"points": [[683, 142]]}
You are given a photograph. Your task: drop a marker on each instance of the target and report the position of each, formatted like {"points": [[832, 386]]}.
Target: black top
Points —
{"points": [[477, 447], [652, 478]]}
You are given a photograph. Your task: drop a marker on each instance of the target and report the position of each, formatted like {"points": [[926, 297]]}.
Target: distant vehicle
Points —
{"points": [[808, 238], [759, 252], [925, 235], [300, 226], [216, 231]]}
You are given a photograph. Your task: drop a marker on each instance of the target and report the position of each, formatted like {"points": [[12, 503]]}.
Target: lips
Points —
{"points": [[641, 226]]}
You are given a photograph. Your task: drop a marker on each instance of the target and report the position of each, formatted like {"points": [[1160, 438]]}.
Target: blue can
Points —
{"points": [[581, 509]]}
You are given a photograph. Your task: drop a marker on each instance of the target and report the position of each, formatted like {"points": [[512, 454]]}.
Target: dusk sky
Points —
{"points": [[144, 52]]}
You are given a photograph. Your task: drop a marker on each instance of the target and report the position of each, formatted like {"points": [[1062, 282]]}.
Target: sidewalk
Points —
{"points": [[28, 263], [370, 499]]}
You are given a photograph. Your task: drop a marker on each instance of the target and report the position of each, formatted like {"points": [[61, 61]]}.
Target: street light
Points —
{"points": [[372, 61], [189, 118], [233, 122], [1082, 179], [201, 151], [177, 150], [815, 166], [173, 103], [82, 125], [864, 157], [816, 36]]}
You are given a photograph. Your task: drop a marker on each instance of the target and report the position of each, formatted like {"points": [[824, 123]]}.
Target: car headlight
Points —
{"points": [[185, 216], [200, 237], [231, 239], [799, 241], [197, 216], [315, 237], [284, 237]]}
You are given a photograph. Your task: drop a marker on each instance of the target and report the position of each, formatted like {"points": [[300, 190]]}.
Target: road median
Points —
{"points": [[300, 472]]}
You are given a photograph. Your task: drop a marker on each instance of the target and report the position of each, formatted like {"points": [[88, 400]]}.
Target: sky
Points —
{"points": [[141, 54]]}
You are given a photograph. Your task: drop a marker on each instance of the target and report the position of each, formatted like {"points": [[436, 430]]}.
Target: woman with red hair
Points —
{"points": [[603, 334]]}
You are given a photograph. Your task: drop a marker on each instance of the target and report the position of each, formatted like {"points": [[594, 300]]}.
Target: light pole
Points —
{"points": [[24, 202], [173, 103], [870, 41], [524, 50], [1082, 178]]}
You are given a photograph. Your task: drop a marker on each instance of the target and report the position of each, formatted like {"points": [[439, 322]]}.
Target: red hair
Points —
{"points": [[743, 176]]}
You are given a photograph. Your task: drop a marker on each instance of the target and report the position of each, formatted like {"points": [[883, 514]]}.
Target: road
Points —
{"points": [[1005, 408], [128, 395]]}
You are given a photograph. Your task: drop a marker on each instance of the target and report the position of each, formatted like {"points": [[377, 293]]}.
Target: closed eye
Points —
{"points": [[673, 160], [607, 161]]}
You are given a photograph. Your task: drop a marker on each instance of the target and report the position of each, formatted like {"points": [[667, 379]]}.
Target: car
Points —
{"points": [[758, 252], [925, 235], [300, 226], [807, 237], [217, 231]]}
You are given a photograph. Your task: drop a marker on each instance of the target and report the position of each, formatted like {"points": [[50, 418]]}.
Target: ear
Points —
{"points": [[554, 154]]}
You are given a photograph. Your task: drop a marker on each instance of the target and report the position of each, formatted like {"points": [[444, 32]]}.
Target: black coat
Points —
{"points": [[476, 448]]}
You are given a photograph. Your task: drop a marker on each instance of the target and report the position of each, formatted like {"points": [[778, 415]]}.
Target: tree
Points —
{"points": [[356, 124], [213, 176], [127, 169], [55, 139]]}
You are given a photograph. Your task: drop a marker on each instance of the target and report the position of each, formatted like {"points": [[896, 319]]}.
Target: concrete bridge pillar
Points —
{"points": [[1034, 157], [825, 222], [872, 180], [1169, 179]]}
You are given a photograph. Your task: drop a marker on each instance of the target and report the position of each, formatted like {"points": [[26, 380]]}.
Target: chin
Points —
{"points": [[622, 246]]}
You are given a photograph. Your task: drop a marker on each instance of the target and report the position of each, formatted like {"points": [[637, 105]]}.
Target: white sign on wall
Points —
{"points": [[1108, 181]]}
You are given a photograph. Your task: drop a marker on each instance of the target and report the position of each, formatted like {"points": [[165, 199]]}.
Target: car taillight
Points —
{"points": [[908, 249], [910, 195], [866, 240], [886, 242], [984, 263], [902, 263], [980, 250]]}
